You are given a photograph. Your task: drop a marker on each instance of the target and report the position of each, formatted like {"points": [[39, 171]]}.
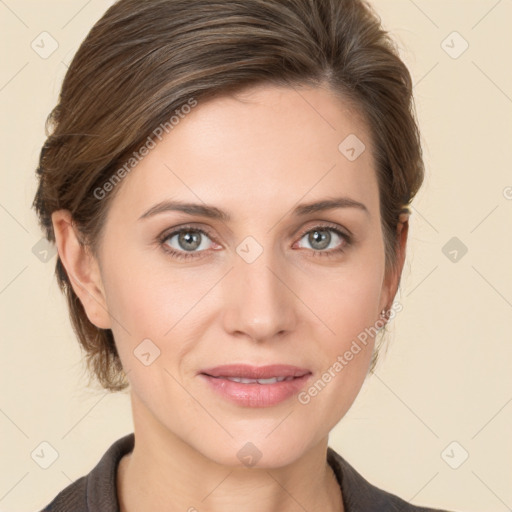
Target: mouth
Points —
{"points": [[241, 380], [247, 374], [251, 386]]}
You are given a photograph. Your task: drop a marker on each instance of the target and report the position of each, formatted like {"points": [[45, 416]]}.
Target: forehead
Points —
{"points": [[263, 149]]}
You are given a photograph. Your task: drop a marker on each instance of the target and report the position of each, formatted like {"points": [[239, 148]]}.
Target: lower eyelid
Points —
{"points": [[346, 240]]}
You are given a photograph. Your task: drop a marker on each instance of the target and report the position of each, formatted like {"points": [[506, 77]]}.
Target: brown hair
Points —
{"points": [[143, 60]]}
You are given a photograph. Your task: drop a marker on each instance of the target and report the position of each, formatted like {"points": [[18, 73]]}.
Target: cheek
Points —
{"points": [[347, 300], [349, 308], [346, 360], [156, 302], [148, 299]]}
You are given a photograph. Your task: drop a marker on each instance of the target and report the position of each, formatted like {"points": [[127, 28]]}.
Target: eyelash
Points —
{"points": [[182, 255]]}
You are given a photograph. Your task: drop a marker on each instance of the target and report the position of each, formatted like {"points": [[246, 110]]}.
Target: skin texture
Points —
{"points": [[256, 155]]}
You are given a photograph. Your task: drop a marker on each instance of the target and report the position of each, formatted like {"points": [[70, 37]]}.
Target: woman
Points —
{"points": [[227, 184]]}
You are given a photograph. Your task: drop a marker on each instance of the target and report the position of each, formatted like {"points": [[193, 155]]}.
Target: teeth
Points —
{"points": [[273, 380]]}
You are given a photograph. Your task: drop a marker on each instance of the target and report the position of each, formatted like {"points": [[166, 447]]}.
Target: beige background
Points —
{"points": [[446, 376]]}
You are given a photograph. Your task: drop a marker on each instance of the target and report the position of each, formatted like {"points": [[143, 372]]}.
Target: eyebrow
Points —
{"points": [[213, 212]]}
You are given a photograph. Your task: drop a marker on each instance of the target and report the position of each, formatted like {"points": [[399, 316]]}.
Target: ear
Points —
{"points": [[392, 281], [82, 269]]}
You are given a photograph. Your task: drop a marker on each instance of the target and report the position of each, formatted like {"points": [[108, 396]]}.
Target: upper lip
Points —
{"points": [[246, 371]]}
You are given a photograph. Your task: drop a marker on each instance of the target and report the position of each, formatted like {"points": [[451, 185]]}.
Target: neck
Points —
{"points": [[165, 473]]}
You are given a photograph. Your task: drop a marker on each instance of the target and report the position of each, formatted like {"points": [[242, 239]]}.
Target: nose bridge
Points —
{"points": [[261, 305]]}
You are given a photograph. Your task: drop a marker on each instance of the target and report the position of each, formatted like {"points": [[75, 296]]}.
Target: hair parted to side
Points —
{"points": [[145, 59]]}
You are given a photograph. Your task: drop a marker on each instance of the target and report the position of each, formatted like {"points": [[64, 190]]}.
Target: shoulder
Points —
{"points": [[97, 490], [73, 497], [359, 494]]}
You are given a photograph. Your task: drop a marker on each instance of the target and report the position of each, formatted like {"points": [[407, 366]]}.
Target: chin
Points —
{"points": [[259, 450]]}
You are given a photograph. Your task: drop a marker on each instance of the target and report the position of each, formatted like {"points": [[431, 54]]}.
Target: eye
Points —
{"points": [[192, 242], [320, 237], [185, 242]]}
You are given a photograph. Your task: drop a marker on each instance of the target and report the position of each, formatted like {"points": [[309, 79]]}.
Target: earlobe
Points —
{"points": [[82, 269]]}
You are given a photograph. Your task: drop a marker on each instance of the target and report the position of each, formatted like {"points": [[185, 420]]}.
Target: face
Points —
{"points": [[271, 284]]}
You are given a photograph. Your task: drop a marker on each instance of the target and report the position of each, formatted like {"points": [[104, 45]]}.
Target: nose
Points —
{"points": [[259, 302]]}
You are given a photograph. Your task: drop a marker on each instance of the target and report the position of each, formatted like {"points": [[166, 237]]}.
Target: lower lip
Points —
{"points": [[256, 395]]}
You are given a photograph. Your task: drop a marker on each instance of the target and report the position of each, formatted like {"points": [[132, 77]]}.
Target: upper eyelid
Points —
{"points": [[326, 225], [316, 224], [174, 231]]}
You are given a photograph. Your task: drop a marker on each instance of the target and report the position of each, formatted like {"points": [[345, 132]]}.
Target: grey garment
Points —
{"points": [[97, 491]]}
